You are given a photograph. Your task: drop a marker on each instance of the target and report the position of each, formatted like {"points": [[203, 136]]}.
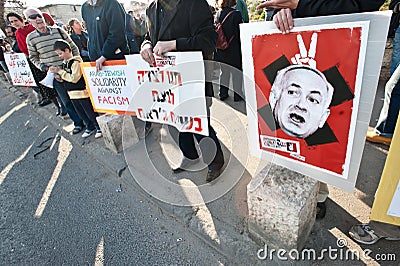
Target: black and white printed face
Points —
{"points": [[302, 106]]}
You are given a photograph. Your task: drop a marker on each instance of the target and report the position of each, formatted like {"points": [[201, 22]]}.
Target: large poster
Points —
{"points": [[20, 72], [304, 94]]}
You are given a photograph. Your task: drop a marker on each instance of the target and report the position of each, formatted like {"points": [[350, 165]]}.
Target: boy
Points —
{"points": [[73, 80]]}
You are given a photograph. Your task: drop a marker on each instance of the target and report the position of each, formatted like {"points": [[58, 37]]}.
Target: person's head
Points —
{"points": [[75, 25], [300, 99], [62, 49], [35, 17], [15, 20], [226, 3], [10, 31]]}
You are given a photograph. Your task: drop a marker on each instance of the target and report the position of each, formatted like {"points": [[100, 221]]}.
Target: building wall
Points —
{"points": [[63, 12]]}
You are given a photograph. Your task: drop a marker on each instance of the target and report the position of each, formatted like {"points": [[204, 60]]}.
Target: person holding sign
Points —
{"points": [[184, 26], [105, 24], [71, 74], [40, 47], [283, 20]]}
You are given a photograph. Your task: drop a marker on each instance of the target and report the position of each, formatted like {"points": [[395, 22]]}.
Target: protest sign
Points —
{"points": [[108, 88], [308, 100], [171, 92], [386, 206], [20, 72]]}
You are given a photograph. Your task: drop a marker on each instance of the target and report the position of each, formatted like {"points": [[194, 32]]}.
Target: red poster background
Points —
{"points": [[335, 47]]}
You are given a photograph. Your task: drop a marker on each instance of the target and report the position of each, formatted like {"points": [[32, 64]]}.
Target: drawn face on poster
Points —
{"points": [[307, 84]]}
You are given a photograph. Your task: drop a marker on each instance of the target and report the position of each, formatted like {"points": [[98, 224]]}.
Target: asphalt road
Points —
{"points": [[59, 206]]}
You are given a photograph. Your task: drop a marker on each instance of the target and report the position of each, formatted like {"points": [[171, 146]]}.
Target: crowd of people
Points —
{"points": [[108, 32]]}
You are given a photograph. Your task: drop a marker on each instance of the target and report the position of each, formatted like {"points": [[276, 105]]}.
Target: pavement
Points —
{"points": [[216, 213]]}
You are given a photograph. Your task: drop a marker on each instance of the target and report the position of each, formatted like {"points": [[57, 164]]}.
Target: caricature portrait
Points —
{"points": [[306, 92], [300, 97]]}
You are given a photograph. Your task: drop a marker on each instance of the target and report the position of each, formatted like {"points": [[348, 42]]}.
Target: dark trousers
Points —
{"points": [[85, 110], [188, 148], [66, 103]]}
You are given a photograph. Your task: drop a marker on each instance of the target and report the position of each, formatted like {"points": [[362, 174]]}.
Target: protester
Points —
{"points": [[71, 74], [2, 59], [11, 39], [43, 94], [189, 28], [80, 38], [231, 57], [40, 47], [130, 34], [241, 6], [105, 23]]}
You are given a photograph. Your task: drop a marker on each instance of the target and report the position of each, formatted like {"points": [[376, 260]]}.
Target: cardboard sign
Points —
{"points": [[20, 72], [109, 89], [171, 92], [304, 92]]}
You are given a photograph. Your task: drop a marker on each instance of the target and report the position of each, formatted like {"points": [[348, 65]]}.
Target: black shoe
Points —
{"points": [[321, 210], [223, 97], [76, 130], [44, 102], [58, 112], [213, 174]]}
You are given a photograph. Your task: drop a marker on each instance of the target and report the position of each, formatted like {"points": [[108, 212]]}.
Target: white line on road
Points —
{"points": [[99, 259], [64, 150], [7, 169]]}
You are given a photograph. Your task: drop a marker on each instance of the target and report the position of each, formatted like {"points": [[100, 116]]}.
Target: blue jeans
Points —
{"points": [[395, 51], [66, 101], [389, 112]]}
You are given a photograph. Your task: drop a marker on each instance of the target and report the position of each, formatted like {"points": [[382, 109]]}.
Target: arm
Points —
{"points": [[310, 8]]}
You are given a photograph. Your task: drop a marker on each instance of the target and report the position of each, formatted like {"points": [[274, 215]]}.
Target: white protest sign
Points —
{"points": [[172, 92], [20, 72]]}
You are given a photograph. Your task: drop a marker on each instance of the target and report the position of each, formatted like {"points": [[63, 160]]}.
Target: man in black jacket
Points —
{"points": [[184, 25]]}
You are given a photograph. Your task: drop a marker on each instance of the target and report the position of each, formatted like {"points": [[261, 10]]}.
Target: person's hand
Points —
{"points": [[291, 4], [283, 20], [99, 63], [163, 47], [54, 69], [147, 54]]}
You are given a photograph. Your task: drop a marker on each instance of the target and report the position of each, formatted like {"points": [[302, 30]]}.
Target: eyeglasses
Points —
{"points": [[34, 16]]}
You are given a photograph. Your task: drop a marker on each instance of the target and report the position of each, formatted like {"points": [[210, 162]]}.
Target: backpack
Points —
{"points": [[222, 43]]}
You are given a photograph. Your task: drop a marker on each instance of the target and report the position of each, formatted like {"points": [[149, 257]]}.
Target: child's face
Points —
{"points": [[64, 54]]}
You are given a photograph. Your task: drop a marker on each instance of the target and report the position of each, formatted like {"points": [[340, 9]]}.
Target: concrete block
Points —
{"points": [[119, 132], [282, 207]]}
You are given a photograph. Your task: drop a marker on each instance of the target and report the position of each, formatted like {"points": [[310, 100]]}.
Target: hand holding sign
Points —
{"points": [[304, 57]]}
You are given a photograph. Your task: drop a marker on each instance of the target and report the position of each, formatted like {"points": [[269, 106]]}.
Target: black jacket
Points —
{"points": [[189, 22], [312, 8], [233, 54]]}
